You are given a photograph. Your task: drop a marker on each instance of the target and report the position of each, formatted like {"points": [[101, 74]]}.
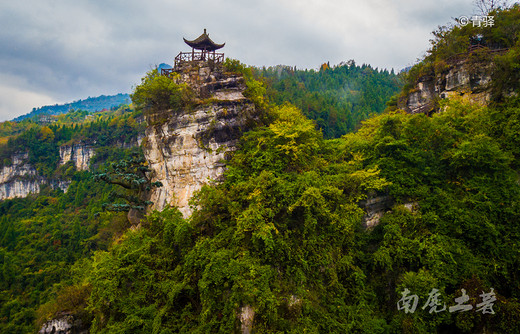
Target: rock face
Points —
{"points": [[247, 316], [375, 207], [469, 81], [80, 154], [186, 148], [18, 188], [66, 324], [19, 179]]}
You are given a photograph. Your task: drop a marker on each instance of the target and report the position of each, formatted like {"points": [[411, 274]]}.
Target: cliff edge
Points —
{"points": [[186, 146]]}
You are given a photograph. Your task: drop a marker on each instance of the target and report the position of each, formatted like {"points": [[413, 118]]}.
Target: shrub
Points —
{"points": [[157, 92]]}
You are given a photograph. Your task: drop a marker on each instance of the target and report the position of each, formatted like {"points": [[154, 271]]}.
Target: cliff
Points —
{"points": [[20, 178], [464, 77], [186, 148], [79, 154]]}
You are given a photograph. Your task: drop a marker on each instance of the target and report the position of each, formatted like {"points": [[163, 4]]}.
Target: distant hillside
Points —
{"points": [[337, 98], [91, 104]]}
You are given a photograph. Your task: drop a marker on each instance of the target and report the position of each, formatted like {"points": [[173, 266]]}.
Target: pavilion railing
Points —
{"points": [[198, 56]]}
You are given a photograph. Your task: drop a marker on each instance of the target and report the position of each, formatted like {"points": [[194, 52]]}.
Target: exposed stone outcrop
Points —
{"points": [[18, 188], [186, 148], [65, 324], [376, 206], [80, 154], [18, 168], [19, 179], [247, 316], [462, 78], [136, 141]]}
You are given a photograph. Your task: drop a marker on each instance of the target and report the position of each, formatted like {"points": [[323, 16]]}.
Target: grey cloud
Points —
{"points": [[64, 50]]}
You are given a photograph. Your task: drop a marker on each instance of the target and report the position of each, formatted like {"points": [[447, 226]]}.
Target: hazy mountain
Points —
{"points": [[91, 104]]}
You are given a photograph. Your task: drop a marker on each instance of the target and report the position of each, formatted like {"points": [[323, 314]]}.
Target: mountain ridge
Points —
{"points": [[91, 104]]}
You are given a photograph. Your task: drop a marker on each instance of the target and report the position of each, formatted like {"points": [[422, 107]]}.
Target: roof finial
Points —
{"points": [[205, 31]]}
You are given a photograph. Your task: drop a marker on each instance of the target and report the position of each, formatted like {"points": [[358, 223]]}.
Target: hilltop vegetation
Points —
{"points": [[337, 98], [283, 235], [496, 45]]}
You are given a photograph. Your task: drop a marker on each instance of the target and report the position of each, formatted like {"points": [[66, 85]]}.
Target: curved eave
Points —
{"points": [[204, 43]]}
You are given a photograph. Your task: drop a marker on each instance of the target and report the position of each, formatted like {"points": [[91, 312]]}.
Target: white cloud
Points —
{"points": [[13, 99]]}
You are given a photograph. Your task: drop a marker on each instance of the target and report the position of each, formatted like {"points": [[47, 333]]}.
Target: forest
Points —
{"points": [[42, 235], [337, 98], [283, 236]]}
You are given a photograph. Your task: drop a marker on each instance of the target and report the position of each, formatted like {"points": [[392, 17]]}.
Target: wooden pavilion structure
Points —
{"points": [[206, 52]]}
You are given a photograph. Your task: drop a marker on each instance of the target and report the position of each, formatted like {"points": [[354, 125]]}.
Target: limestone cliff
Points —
{"points": [[18, 179], [21, 179], [79, 154], [186, 148], [462, 77], [64, 324]]}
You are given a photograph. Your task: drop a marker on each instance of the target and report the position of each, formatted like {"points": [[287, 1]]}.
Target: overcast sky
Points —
{"points": [[57, 51]]}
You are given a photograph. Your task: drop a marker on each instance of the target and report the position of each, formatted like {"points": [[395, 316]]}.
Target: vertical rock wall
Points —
{"points": [[463, 79], [80, 154], [19, 179], [186, 148]]}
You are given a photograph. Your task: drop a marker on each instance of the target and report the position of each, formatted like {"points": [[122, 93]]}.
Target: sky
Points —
{"points": [[59, 51]]}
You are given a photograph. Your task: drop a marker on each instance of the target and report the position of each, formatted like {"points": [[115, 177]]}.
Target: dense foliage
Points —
{"points": [[158, 92], [42, 235], [42, 141], [132, 176], [283, 234], [336, 98]]}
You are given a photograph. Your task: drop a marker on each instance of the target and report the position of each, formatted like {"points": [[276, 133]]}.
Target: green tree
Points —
{"points": [[130, 174], [157, 92]]}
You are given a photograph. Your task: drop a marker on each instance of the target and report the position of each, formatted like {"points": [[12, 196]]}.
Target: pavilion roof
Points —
{"points": [[203, 42]]}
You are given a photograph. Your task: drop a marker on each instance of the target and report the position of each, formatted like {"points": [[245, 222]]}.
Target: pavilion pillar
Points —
{"points": [[204, 46]]}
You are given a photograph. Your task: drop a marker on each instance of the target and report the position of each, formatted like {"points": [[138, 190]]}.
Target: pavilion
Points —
{"points": [[206, 52]]}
